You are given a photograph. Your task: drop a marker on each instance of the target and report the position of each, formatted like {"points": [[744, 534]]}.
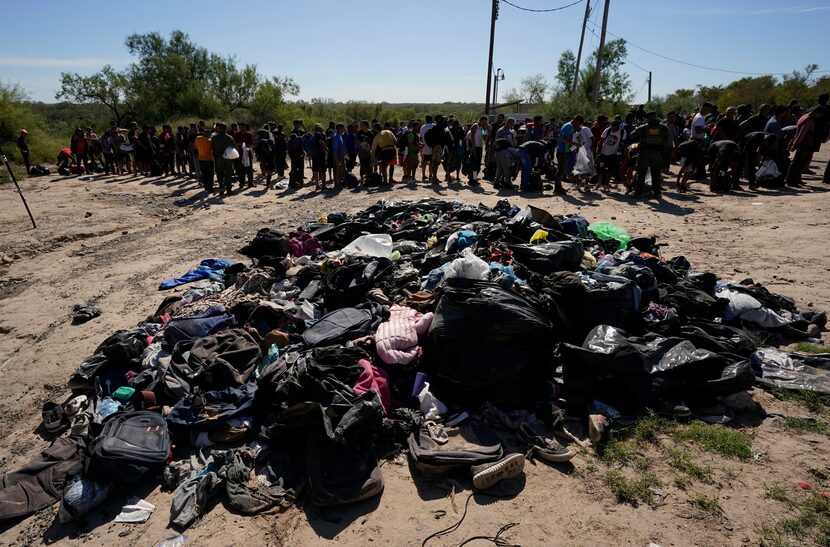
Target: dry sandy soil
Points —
{"points": [[110, 240]]}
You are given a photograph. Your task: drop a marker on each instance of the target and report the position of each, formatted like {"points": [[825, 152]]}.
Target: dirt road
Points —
{"points": [[109, 241]]}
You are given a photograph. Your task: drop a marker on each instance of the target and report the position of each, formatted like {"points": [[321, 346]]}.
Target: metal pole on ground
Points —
{"points": [[5, 160]]}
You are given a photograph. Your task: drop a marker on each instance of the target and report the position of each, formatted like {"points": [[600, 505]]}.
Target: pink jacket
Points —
{"points": [[397, 338]]}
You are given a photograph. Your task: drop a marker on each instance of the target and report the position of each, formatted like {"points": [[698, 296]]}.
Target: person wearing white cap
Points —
{"points": [[24, 149]]}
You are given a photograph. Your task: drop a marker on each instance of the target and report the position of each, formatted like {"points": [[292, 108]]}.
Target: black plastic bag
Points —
{"points": [[545, 258], [630, 373], [488, 344]]}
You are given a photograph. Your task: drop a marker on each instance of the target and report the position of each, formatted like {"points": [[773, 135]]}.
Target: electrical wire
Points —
{"points": [[453, 527], [634, 99], [541, 10], [628, 42]]}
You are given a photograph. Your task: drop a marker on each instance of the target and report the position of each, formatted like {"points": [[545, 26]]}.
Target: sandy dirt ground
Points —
{"points": [[109, 241]]}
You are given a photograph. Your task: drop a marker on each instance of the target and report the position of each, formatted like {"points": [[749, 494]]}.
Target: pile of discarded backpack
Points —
{"points": [[466, 337]]}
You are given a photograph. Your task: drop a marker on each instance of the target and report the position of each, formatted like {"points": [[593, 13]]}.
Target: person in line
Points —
{"points": [[318, 159], [755, 148], [78, 146], [340, 154], [204, 155], [296, 153], [220, 142], [652, 137], [476, 137], [24, 149], [804, 143], [383, 152], [565, 147], [608, 147], [412, 139], [426, 150]]}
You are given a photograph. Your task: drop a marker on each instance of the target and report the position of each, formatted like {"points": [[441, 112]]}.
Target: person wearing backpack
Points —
{"points": [[412, 150], [364, 149], [316, 147], [296, 153], [426, 159], [437, 138]]}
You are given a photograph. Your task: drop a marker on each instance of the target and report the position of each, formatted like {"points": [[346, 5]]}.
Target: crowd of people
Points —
{"points": [[772, 146]]}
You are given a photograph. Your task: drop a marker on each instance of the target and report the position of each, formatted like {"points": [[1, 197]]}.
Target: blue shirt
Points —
{"points": [[338, 146], [565, 132]]}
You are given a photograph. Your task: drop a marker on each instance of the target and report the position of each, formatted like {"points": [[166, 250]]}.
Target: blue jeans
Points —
{"points": [[527, 166]]}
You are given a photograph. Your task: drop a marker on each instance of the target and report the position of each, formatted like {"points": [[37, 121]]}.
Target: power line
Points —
{"points": [[628, 42], [634, 99], [541, 10], [630, 62]]}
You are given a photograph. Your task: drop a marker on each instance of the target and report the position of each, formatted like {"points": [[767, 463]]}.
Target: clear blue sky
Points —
{"points": [[417, 51]]}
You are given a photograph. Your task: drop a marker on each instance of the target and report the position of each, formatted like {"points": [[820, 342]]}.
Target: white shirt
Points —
{"points": [[699, 121], [586, 138], [424, 128], [611, 142]]}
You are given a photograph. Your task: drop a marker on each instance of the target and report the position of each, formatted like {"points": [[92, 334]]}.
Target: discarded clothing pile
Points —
{"points": [[459, 334]]}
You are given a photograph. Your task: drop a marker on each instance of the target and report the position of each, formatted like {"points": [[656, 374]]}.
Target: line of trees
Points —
{"points": [[173, 78]]}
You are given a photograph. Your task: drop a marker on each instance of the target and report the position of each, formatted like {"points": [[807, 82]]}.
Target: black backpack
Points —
{"points": [[373, 179], [131, 444], [401, 143], [351, 181]]}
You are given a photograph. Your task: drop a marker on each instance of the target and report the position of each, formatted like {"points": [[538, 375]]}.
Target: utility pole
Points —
{"points": [[493, 16], [649, 86], [581, 40], [600, 52]]}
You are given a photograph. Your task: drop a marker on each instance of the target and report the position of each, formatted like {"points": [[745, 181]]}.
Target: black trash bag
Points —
{"points": [[545, 258], [775, 368], [630, 373], [266, 242], [528, 220], [488, 344], [718, 337], [609, 300], [690, 301], [347, 285]]}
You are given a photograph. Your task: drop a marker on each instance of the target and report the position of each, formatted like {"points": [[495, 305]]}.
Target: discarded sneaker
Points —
{"points": [[542, 447], [488, 475], [53, 417]]}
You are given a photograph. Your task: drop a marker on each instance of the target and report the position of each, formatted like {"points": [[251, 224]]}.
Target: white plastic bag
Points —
{"points": [[767, 171], [430, 405], [584, 164], [230, 153], [370, 245], [469, 266]]}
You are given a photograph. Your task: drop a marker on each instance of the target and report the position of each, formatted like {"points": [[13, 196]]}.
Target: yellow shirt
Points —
{"points": [[202, 144], [384, 140]]}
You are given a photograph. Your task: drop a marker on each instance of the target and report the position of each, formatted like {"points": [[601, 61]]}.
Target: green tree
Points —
{"points": [[566, 70], [534, 88], [614, 85], [108, 87]]}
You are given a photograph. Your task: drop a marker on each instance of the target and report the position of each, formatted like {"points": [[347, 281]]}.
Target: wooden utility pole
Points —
{"points": [[494, 14], [581, 40], [600, 53], [649, 86]]}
